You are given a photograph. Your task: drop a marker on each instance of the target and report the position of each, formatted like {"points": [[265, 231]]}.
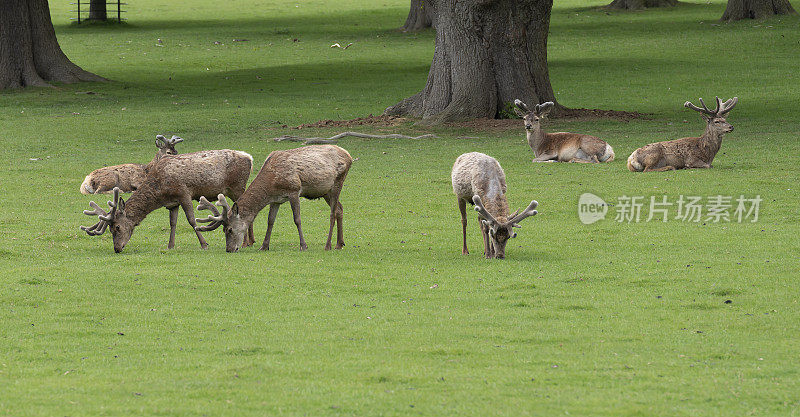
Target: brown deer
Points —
{"points": [[126, 177], [310, 172], [478, 179], [174, 182], [561, 146], [687, 152]]}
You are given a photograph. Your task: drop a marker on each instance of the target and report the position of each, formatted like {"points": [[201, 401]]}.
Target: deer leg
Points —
{"points": [[662, 169], [545, 157], [294, 201], [273, 212], [462, 207], [333, 204], [173, 224], [487, 243], [339, 227], [696, 163], [188, 209]]}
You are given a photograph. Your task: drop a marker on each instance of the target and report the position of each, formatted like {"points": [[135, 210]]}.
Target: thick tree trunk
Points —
{"points": [[640, 4], [97, 10], [755, 9], [29, 52], [487, 53], [418, 17]]}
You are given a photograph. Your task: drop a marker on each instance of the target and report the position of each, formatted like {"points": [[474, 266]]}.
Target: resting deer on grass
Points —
{"points": [[561, 146], [127, 177], [173, 182], [687, 152], [311, 172], [478, 179]]}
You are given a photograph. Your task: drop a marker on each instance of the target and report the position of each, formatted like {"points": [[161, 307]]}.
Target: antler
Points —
{"points": [[705, 109], [529, 211], [217, 219], [105, 218], [728, 106], [476, 199], [175, 140], [544, 107], [161, 141], [521, 105]]}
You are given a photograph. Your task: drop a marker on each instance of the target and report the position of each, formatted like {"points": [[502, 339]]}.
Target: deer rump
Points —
{"points": [[201, 174]]}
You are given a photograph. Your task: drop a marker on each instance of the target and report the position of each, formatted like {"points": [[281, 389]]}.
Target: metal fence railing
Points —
{"points": [[84, 11]]}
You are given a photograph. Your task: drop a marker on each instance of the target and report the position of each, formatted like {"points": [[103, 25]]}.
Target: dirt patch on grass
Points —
{"points": [[478, 124], [379, 121]]}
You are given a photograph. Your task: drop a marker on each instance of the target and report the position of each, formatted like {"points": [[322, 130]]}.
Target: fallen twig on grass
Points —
{"points": [[335, 138]]}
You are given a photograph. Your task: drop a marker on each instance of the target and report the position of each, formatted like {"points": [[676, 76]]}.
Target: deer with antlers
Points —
{"points": [[479, 180], [127, 177], [695, 152], [316, 171], [173, 182], [560, 146]]}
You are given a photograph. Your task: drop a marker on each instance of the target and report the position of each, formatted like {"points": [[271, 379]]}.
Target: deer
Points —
{"points": [[478, 179], [173, 182], [126, 177], [561, 146], [693, 152], [316, 171]]}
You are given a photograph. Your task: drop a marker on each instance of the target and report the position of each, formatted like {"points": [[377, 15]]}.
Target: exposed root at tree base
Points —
{"points": [[371, 120]]}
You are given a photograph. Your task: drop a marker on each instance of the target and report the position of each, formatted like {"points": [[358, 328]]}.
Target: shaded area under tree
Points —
{"points": [[418, 17], [640, 4]]}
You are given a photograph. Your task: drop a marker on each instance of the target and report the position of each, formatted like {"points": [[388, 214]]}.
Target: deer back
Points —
{"points": [[479, 174], [204, 173]]}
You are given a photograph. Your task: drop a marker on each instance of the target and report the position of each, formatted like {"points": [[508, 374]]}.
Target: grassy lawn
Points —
{"points": [[614, 318]]}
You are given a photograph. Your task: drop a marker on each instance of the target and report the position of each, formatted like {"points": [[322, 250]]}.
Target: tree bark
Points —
{"points": [[418, 17], [487, 53], [29, 52], [97, 10], [640, 4], [755, 9]]}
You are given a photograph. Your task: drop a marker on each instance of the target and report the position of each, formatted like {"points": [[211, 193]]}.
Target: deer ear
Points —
{"points": [[121, 205], [519, 112], [235, 209]]}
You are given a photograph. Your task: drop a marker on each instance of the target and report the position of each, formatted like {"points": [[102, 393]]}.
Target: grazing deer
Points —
{"points": [[686, 152], [561, 146], [126, 177], [478, 179], [311, 172], [174, 182]]}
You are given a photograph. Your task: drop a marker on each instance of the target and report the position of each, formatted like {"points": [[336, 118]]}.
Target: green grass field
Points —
{"points": [[616, 319]]}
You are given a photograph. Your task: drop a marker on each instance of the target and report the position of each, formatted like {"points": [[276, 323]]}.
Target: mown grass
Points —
{"points": [[605, 319]]}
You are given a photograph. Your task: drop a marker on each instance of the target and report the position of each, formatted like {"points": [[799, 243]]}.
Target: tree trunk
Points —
{"points": [[755, 9], [97, 10], [640, 4], [418, 17], [29, 52], [487, 53]]}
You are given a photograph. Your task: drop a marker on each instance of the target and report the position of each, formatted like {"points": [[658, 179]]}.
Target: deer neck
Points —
{"points": [[142, 202], [497, 205], [258, 195], [536, 137], [710, 142], [152, 163]]}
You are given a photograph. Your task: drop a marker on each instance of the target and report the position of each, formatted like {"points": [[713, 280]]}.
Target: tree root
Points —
{"points": [[335, 138]]}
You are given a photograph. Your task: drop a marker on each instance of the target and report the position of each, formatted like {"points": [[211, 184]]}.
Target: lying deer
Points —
{"points": [[311, 172], [478, 179], [174, 182], [687, 152], [561, 146], [127, 177]]}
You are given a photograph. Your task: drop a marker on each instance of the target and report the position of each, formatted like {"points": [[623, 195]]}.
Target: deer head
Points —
{"points": [[234, 227], [532, 118], [121, 226], [500, 232], [716, 118], [167, 146]]}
